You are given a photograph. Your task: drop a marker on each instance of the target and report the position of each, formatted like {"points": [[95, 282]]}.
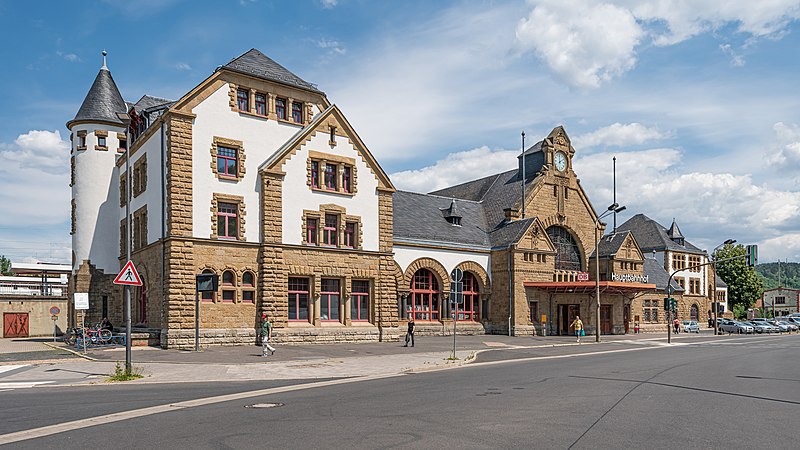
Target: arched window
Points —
{"points": [[248, 287], [208, 296], [568, 254], [469, 310], [228, 286], [694, 313], [425, 296]]}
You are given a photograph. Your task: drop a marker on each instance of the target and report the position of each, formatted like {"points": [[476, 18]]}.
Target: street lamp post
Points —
{"points": [[614, 208], [714, 304]]}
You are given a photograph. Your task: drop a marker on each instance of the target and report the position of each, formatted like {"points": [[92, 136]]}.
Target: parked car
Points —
{"points": [[794, 320], [731, 326], [763, 327], [792, 326], [690, 326], [783, 326]]}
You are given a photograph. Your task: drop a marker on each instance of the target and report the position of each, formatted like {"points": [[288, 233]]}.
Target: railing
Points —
{"points": [[33, 288], [566, 275]]}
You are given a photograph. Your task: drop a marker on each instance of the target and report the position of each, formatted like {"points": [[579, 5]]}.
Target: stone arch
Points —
{"points": [[480, 274], [431, 264], [397, 273], [567, 224]]}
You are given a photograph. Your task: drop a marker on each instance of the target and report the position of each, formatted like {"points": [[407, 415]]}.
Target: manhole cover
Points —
{"points": [[264, 405]]}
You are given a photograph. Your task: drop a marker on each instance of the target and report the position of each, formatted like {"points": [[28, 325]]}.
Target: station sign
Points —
{"points": [[629, 278]]}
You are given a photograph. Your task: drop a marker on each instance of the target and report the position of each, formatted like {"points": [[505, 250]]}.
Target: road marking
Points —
{"points": [[11, 367], [22, 384], [125, 415]]}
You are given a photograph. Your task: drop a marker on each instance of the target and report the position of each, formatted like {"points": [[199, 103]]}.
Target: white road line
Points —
{"points": [[11, 367], [124, 415], [22, 384]]}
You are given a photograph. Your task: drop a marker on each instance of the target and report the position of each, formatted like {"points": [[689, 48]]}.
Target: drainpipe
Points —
{"points": [[163, 222], [510, 289]]}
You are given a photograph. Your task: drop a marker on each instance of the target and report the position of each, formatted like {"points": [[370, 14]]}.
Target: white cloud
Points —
{"points": [[333, 46], [783, 247], [71, 57], [787, 157], [328, 4], [456, 168], [585, 45], [588, 43], [34, 179], [182, 66], [618, 134], [737, 60]]}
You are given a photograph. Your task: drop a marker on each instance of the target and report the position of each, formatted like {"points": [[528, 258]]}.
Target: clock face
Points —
{"points": [[560, 160]]}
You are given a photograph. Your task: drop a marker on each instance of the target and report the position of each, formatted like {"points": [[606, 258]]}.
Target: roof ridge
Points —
{"points": [[449, 197]]}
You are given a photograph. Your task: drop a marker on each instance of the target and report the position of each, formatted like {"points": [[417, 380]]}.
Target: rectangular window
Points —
{"points": [[82, 141], [298, 299], [350, 235], [280, 108], [681, 282], [359, 301], [329, 231], [123, 144], [297, 112], [347, 179], [227, 220], [780, 300], [101, 141], [330, 177], [311, 231], [329, 300], [315, 174], [226, 161], [261, 104], [243, 99]]}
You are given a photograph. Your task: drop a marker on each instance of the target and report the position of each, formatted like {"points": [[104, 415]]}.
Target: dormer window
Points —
{"points": [[454, 221]]}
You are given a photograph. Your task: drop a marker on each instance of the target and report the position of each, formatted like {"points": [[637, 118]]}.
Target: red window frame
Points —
{"points": [[243, 99], [261, 104], [329, 300], [311, 231], [227, 220], [330, 236], [298, 299], [470, 309], [248, 288], [350, 234], [330, 176], [226, 161], [207, 296], [315, 174], [424, 296], [280, 108], [359, 301], [347, 179], [228, 287], [297, 112]]}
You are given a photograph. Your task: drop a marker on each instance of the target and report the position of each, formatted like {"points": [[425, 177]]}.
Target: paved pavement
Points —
{"points": [[58, 366]]}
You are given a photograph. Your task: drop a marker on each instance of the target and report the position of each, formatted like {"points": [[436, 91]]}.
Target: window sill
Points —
{"points": [[228, 177], [328, 191], [103, 148], [252, 114], [80, 147]]}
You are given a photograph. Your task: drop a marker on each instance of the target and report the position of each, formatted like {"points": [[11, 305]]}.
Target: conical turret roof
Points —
{"points": [[103, 101], [674, 232]]}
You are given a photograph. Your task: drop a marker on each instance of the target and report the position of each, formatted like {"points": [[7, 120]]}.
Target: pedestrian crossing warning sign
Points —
{"points": [[128, 276]]}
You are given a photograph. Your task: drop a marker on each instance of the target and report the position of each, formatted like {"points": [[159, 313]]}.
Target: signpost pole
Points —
{"points": [[196, 320]]}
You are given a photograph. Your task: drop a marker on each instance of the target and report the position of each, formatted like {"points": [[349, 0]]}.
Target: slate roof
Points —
{"points": [[103, 101], [720, 282], [257, 64], [650, 235], [611, 243], [149, 102], [419, 218], [656, 274]]}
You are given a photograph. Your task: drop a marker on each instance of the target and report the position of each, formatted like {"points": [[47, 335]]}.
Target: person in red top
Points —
{"points": [[677, 325]]}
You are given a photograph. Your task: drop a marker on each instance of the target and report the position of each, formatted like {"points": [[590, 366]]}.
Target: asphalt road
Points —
{"points": [[732, 393]]}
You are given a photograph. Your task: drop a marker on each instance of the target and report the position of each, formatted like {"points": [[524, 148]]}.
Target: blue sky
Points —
{"points": [[697, 100]]}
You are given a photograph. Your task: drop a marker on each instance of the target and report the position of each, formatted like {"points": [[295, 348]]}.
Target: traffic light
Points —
{"points": [[670, 304], [751, 255], [667, 303]]}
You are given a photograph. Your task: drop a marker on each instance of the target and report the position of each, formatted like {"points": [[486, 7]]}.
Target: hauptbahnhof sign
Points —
{"points": [[629, 278]]}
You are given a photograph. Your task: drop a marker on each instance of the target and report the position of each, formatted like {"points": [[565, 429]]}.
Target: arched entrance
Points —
{"points": [[424, 297], [469, 310], [694, 312]]}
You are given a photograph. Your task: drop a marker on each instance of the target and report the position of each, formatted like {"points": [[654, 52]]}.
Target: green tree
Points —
{"points": [[5, 265], [744, 285]]}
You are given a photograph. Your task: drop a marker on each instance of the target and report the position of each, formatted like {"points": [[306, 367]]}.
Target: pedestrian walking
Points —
{"points": [[578, 324], [266, 335], [677, 325], [410, 332]]}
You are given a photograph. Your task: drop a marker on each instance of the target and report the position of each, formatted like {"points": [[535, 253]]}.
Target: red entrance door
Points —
{"points": [[605, 319], [15, 325]]}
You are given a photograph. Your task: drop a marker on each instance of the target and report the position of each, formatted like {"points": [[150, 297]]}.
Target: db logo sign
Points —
{"points": [[583, 276]]}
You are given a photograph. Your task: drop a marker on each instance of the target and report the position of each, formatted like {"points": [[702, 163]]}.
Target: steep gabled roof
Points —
{"points": [[418, 218], [656, 274], [720, 283], [148, 101], [102, 102], [610, 244], [650, 235], [259, 65]]}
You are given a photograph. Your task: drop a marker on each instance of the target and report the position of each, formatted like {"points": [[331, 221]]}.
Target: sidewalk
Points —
{"points": [[245, 363]]}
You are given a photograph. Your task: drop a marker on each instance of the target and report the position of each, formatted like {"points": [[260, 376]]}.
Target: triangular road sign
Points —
{"points": [[128, 276]]}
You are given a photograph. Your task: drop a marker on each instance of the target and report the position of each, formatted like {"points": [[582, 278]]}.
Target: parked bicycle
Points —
{"points": [[95, 335]]}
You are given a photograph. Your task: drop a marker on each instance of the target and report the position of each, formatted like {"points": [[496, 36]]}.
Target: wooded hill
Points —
{"points": [[790, 275]]}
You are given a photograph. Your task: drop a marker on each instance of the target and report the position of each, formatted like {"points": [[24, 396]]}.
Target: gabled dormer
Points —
{"points": [[451, 214]]}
